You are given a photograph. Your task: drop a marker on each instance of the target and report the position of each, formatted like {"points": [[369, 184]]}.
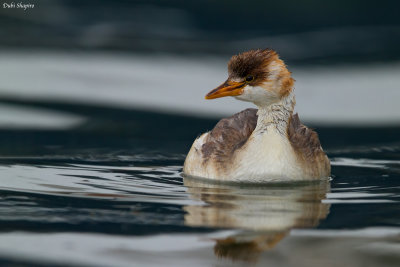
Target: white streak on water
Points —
{"points": [[20, 117], [364, 163], [349, 94], [94, 182], [300, 248]]}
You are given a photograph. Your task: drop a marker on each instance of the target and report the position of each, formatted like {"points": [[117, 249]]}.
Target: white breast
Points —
{"points": [[266, 156]]}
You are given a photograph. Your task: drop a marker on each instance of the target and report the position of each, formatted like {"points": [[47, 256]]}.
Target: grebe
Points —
{"points": [[268, 144]]}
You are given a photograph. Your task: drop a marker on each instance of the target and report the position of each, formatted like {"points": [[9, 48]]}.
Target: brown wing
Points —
{"points": [[229, 134], [308, 148]]}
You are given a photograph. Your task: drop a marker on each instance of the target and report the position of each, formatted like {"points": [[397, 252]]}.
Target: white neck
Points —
{"points": [[269, 152], [275, 116]]}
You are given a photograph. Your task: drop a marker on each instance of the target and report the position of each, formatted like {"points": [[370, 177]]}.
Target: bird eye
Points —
{"points": [[249, 78]]}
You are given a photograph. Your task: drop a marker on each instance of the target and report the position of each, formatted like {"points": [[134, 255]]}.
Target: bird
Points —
{"points": [[263, 144]]}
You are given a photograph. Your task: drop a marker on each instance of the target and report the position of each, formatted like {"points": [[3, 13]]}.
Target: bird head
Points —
{"points": [[257, 76]]}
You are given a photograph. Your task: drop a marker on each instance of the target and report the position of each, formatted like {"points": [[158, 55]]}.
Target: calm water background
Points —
{"points": [[98, 183], [101, 100]]}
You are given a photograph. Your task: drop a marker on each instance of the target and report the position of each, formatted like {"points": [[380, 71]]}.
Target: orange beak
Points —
{"points": [[228, 88]]}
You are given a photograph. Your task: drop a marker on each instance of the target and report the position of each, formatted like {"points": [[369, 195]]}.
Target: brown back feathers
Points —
{"points": [[229, 134], [232, 133], [305, 143]]}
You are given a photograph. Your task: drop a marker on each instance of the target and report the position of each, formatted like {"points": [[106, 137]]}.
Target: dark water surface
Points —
{"points": [[110, 193]]}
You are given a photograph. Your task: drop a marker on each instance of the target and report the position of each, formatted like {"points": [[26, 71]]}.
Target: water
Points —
{"points": [[91, 153], [343, 94], [110, 193]]}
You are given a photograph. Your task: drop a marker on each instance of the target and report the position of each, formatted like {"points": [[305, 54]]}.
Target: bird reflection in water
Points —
{"points": [[265, 213]]}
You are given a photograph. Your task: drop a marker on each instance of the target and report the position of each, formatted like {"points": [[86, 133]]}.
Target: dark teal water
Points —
{"points": [[110, 193]]}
